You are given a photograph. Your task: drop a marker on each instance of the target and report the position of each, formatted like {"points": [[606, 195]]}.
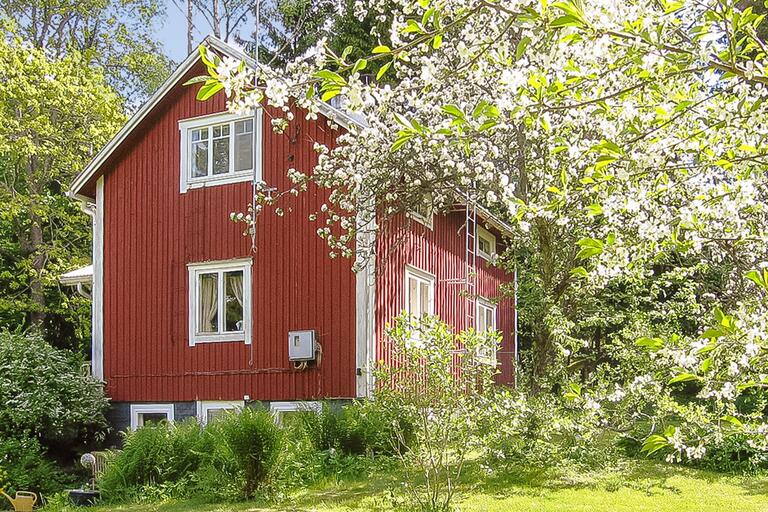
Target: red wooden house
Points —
{"points": [[189, 320]]}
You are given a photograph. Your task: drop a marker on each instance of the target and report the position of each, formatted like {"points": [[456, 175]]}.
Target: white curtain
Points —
{"points": [[236, 285], [209, 304]]}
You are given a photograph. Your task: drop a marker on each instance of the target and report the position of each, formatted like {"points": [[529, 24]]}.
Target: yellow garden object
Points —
{"points": [[23, 502]]}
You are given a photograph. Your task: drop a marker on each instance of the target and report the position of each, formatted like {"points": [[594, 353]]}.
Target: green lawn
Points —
{"points": [[635, 486]]}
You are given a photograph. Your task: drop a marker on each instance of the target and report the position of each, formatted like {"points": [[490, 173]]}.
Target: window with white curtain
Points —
{"points": [[219, 149], [220, 301]]}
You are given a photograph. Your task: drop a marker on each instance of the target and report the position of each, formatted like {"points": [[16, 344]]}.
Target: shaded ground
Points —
{"points": [[635, 486]]}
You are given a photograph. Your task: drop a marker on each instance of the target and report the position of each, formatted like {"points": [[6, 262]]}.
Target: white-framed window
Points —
{"points": [[209, 410], [423, 214], [218, 149], [486, 244], [220, 301], [419, 292], [485, 321], [145, 414], [281, 410]]}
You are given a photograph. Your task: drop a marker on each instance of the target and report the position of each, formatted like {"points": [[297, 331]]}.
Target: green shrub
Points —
{"points": [[44, 393], [155, 454], [27, 467], [250, 441], [363, 427]]}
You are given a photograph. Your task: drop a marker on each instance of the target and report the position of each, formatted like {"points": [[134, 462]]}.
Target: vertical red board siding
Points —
{"points": [[152, 232], [440, 251]]}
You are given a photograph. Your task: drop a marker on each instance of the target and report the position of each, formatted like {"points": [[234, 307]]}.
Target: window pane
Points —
{"points": [[149, 418], [244, 145], [212, 414], [199, 159], [424, 297], [413, 297], [234, 298], [245, 126], [490, 320], [221, 130], [221, 156], [208, 303], [481, 319], [199, 134], [485, 245]]}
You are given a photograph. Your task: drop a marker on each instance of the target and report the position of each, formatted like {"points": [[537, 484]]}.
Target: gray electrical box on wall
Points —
{"points": [[301, 345]]}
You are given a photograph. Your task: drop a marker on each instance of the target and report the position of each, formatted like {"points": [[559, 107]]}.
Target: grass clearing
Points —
{"points": [[636, 486]]}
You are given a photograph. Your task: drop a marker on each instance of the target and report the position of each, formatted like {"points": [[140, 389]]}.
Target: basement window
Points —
{"points": [[220, 149], [220, 301], [147, 414], [284, 411], [208, 411], [485, 321]]}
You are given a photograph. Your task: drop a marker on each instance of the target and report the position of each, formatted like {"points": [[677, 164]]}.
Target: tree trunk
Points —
{"points": [[216, 19], [189, 26], [34, 248]]}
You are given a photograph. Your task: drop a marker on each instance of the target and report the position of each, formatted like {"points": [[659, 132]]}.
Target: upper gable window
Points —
{"points": [[486, 244], [219, 149]]}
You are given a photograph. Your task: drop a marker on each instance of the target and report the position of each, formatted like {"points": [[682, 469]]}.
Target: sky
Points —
{"points": [[172, 31]]}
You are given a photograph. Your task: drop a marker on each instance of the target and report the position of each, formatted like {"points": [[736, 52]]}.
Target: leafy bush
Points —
{"points": [[156, 454], [27, 467], [45, 394], [437, 382], [251, 441], [540, 431], [363, 427]]}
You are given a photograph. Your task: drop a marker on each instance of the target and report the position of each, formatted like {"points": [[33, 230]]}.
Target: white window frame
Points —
{"points": [[138, 409], [423, 276], [426, 221], [204, 406], [481, 306], [278, 408], [195, 269], [484, 233], [185, 128]]}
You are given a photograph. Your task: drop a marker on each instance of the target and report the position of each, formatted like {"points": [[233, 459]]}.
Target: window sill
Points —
{"points": [[223, 180], [221, 338]]}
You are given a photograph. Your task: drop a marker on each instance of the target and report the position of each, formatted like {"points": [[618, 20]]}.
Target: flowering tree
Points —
{"points": [[613, 134]]}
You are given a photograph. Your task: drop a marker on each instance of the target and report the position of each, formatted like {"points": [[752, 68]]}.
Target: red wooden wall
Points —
{"points": [[441, 252], [152, 232]]}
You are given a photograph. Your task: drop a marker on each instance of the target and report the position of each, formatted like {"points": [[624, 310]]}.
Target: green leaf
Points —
{"points": [[383, 70], [437, 41], [589, 247], [653, 344], [683, 377], [381, 49], [654, 443], [210, 88], [330, 93], [400, 141], [733, 421], [453, 110], [567, 21], [579, 272], [360, 65], [331, 76], [197, 80]]}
